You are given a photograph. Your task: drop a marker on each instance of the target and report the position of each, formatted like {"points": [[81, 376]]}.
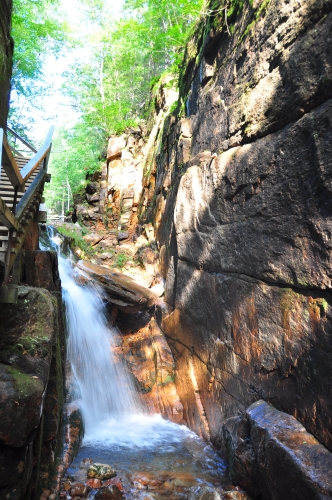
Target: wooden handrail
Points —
{"points": [[26, 143], [31, 166], [9, 164], [28, 196]]}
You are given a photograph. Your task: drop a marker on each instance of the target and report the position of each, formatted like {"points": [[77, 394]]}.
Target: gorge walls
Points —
{"points": [[32, 352], [240, 199]]}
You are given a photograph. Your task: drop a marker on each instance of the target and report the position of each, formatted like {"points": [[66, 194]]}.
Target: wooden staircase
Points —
{"points": [[22, 182]]}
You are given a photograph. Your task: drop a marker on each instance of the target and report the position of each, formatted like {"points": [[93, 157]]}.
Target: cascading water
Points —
{"points": [[100, 382], [177, 463], [104, 387]]}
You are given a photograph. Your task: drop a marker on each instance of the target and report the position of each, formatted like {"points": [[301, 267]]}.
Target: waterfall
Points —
{"points": [[100, 382]]}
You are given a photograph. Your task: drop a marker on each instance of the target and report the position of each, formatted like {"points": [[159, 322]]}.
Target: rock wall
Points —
{"points": [[6, 53], [32, 346], [240, 192]]}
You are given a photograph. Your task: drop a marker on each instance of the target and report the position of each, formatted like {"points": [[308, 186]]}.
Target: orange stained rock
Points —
{"points": [[115, 481], [94, 483]]}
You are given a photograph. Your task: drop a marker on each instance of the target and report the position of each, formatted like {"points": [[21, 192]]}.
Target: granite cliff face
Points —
{"points": [[32, 352], [240, 203]]}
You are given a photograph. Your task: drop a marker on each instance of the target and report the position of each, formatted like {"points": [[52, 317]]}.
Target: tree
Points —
{"points": [[111, 84], [38, 29]]}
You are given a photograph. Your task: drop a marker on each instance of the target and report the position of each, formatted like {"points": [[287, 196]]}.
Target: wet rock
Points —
{"points": [[79, 490], [280, 458], [94, 483], [206, 493], [184, 480], [146, 480], [115, 481], [109, 493], [122, 290], [141, 479], [101, 471]]}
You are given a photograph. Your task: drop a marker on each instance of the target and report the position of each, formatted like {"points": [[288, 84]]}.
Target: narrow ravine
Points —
{"points": [[151, 457]]}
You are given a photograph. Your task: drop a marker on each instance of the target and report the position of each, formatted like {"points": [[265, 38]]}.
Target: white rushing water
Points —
{"points": [[101, 384]]}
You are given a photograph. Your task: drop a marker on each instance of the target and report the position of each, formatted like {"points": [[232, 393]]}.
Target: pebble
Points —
{"points": [[94, 483]]}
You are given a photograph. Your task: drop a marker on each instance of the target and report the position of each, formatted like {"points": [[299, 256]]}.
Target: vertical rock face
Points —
{"points": [[6, 53], [32, 387], [243, 190]]}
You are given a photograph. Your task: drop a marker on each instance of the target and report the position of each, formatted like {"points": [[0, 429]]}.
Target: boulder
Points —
{"points": [[122, 290], [101, 471], [274, 456]]}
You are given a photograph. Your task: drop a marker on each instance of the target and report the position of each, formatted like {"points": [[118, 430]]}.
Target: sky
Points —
{"points": [[55, 107]]}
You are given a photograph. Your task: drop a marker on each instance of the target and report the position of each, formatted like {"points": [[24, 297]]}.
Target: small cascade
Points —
{"points": [[100, 382], [146, 451]]}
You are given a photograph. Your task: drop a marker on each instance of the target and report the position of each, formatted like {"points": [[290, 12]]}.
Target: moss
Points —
{"points": [[34, 344], [167, 380], [25, 384], [317, 307], [121, 260], [257, 15]]}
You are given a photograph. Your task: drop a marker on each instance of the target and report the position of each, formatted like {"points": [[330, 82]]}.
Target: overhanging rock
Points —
{"points": [[123, 291]]}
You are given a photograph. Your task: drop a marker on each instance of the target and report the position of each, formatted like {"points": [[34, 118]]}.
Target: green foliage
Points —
{"points": [[121, 260], [108, 83], [112, 83], [76, 240], [38, 30]]}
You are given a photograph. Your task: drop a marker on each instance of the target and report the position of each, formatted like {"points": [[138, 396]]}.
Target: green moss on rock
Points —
{"points": [[26, 385]]}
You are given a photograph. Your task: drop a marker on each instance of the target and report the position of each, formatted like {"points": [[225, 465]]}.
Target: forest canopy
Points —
{"points": [[114, 57]]}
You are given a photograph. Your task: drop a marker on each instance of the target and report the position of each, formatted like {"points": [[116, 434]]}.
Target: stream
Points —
{"points": [[153, 458]]}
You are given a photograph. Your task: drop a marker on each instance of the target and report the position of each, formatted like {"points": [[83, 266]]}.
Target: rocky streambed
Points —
{"points": [[147, 458]]}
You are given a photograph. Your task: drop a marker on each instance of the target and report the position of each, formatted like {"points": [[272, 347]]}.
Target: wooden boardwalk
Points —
{"points": [[22, 182]]}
